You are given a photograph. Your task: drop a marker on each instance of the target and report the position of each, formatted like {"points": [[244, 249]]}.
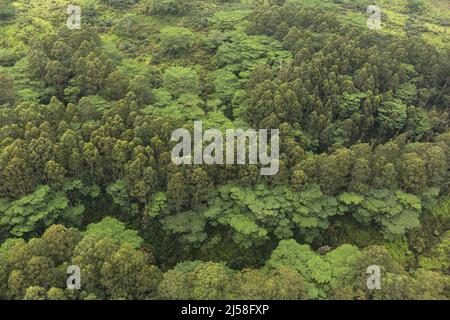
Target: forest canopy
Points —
{"points": [[87, 179]]}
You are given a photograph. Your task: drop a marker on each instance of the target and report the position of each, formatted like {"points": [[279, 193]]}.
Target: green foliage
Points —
{"points": [[351, 103], [227, 85], [416, 5], [326, 273], [197, 280], [7, 90], [119, 4], [158, 205], [243, 52], [180, 80], [6, 9], [190, 226], [114, 231], [228, 20], [392, 115], [396, 211], [38, 210], [175, 40], [171, 7], [86, 118], [438, 258]]}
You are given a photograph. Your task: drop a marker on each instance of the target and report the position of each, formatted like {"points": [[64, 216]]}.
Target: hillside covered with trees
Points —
{"points": [[87, 179]]}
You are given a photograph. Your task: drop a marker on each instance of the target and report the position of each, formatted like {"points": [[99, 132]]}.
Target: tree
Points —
{"points": [[38, 210], [40, 271], [200, 186], [314, 270], [343, 262], [113, 271], [120, 4], [60, 242], [55, 173], [6, 9], [378, 256], [416, 6], [171, 7], [127, 274], [392, 115], [360, 176], [412, 171], [431, 285], [56, 294], [35, 293], [175, 40], [17, 178], [115, 231], [282, 283], [436, 166], [142, 88], [177, 192], [116, 86], [7, 90], [212, 282], [335, 170], [37, 61], [298, 179], [177, 283], [93, 72], [56, 75], [180, 80]]}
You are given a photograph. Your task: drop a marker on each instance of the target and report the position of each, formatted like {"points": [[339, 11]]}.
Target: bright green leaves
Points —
{"points": [[312, 208], [396, 211], [305, 261], [320, 270], [351, 103], [226, 84], [322, 274], [407, 92], [244, 52], [250, 213], [247, 232], [238, 57], [157, 206], [37, 210], [189, 226], [178, 97], [350, 198], [342, 260], [115, 231], [256, 215], [120, 195], [392, 115]]}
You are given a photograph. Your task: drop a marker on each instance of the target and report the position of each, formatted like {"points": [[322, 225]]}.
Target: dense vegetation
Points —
{"points": [[86, 176]]}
